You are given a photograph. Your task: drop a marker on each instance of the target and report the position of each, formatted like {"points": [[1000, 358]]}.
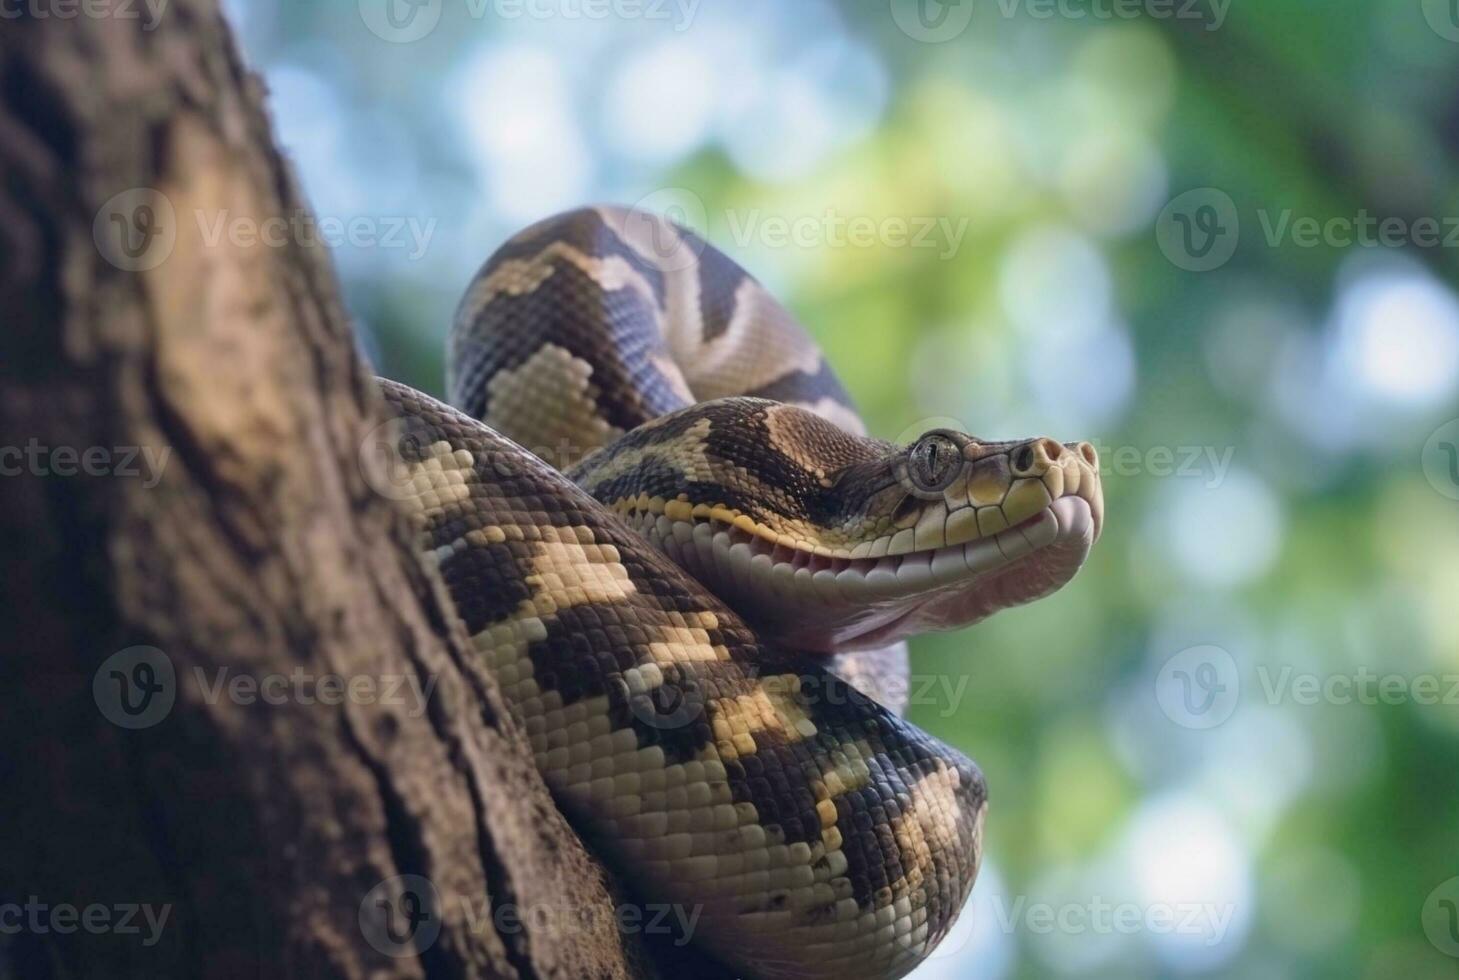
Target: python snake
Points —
{"points": [[688, 609]]}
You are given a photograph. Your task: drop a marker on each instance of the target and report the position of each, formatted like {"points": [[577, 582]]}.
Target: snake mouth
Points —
{"points": [[833, 604], [1028, 561]]}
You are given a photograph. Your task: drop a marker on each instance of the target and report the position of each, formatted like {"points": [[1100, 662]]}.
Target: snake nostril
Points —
{"points": [[1035, 456]]}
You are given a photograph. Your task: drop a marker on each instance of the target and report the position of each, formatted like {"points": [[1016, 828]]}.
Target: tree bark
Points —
{"points": [[182, 472]]}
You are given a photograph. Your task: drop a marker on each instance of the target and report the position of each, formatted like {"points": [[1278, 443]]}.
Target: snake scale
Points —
{"points": [[697, 609]]}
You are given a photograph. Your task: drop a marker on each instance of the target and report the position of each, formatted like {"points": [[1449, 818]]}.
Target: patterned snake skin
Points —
{"points": [[671, 624]]}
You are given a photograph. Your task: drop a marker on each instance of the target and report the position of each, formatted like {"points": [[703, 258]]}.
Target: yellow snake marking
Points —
{"points": [[569, 573], [553, 392], [515, 277], [687, 454], [929, 824], [438, 479], [737, 720]]}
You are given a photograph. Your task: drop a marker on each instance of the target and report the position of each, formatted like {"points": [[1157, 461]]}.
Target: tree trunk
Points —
{"points": [[236, 705]]}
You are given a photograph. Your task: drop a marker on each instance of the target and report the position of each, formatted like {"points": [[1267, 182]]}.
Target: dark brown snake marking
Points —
{"points": [[819, 833]]}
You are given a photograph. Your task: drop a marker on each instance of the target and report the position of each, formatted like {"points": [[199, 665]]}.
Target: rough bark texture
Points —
{"points": [[257, 549]]}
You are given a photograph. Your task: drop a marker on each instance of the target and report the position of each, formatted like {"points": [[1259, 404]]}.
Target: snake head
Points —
{"points": [[952, 528], [831, 542]]}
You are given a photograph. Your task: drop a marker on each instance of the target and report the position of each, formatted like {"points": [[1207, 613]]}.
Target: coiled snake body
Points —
{"points": [[676, 624]]}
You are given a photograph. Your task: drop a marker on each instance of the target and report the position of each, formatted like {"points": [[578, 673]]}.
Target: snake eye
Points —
{"points": [[934, 462]]}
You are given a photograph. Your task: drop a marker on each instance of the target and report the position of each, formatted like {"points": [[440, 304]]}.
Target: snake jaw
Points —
{"points": [[1015, 525], [1055, 544]]}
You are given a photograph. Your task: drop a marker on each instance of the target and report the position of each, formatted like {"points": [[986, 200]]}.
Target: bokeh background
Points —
{"points": [[1231, 746]]}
